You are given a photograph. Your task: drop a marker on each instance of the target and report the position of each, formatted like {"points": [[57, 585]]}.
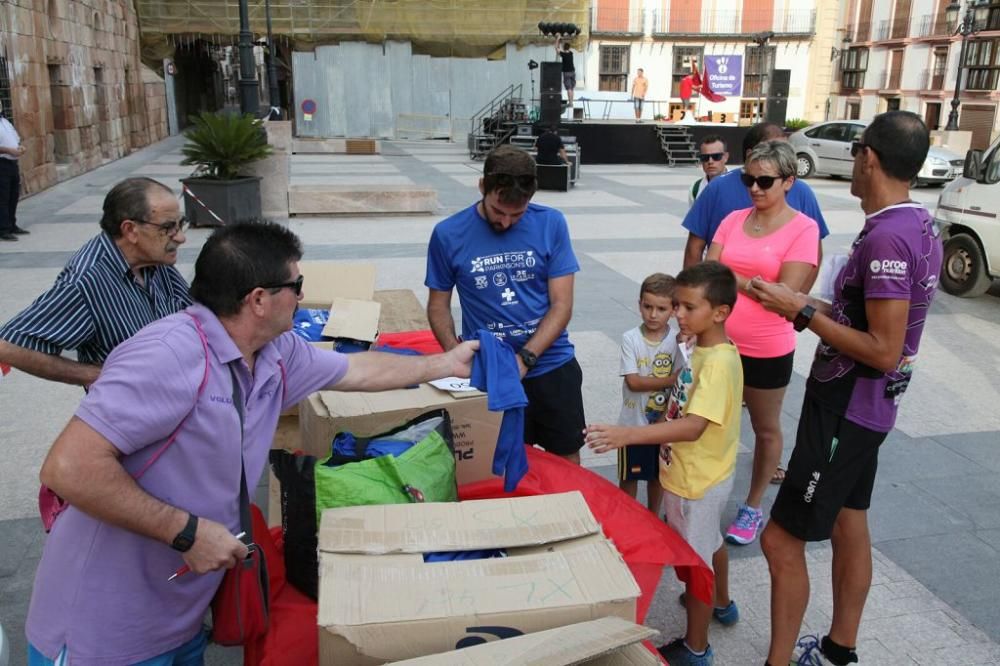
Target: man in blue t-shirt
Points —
{"points": [[513, 266], [726, 193]]}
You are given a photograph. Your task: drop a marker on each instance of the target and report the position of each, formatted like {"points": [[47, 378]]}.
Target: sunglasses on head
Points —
{"points": [[715, 157], [295, 285], [525, 181], [763, 182]]}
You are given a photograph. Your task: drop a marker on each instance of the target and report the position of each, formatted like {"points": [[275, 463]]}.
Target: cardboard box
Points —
{"points": [[327, 280], [379, 601], [604, 642], [326, 413]]}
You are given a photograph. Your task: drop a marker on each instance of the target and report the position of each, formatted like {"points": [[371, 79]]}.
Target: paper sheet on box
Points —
{"points": [[453, 384]]}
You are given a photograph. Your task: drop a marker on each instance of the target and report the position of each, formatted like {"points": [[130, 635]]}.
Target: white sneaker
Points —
{"points": [[807, 653]]}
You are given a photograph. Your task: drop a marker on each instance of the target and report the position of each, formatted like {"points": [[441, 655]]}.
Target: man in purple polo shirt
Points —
{"points": [[101, 593], [870, 336]]}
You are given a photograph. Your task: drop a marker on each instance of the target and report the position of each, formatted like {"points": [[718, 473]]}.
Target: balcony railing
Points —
{"points": [[882, 33], [733, 22], [932, 79], [934, 25], [610, 20]]}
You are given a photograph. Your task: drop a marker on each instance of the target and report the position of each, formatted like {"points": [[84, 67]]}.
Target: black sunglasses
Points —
{"points": [[763, 182], [170, 228], [295, 286], [856, 147], [525, 181], [715, 157]]}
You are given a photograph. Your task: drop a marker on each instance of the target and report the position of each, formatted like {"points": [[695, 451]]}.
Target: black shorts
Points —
{"points": [[832, 467], [553, 418], [639, 462], [767, 373]]}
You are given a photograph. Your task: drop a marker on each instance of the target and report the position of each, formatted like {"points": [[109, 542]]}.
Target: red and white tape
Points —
{"points": [[187, 191]]}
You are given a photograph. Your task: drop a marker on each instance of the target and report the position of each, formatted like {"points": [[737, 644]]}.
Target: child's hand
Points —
{"points": [[665, 453], [602, 438]]}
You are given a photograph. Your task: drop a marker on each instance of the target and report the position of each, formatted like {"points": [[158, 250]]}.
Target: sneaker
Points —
{"points": [[677, 654], [19, 231], [808, 653], [727, 616], [744, 529], [8, 237]]}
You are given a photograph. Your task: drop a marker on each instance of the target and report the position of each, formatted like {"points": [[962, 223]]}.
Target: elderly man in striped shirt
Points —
{"points": [[118, 282]]}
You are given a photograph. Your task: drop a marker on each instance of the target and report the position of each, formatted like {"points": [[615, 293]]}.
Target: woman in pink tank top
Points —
{"points": [[776, 243]]}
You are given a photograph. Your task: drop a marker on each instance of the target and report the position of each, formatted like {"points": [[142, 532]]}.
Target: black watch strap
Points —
{"points": [[185, 538], [802, 319], [528, 356]]}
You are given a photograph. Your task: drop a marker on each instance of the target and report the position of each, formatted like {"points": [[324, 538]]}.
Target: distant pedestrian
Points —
{"points": [[11, 150], [869, 341], [639, 87]]}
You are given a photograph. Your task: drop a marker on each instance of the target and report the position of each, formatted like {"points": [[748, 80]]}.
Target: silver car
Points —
{"points": [[825, 148]]}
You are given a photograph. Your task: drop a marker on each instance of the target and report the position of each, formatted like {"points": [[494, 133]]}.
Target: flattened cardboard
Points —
{"points": [[445, 526], [401, 311], [354, 319], [327, 280], [375, 609], [590, 643], [475, 428]]}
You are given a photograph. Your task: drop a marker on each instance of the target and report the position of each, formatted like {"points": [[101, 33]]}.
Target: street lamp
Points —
{"points": [[845, 44], [249, 91], [272, 74], [976, 12]]}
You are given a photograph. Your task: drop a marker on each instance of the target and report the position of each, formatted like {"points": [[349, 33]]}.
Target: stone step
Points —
{"points": [[337, 146], [360, 199]]}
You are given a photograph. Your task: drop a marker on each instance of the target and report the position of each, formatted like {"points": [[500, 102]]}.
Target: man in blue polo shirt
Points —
{"points": [[726, 193], [513, 266]]}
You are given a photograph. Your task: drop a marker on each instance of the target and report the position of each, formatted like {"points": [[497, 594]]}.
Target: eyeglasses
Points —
{"points": [[856, 147], [170, 228], [295, 286], [763, 182], [715, 157], [524, 181]]}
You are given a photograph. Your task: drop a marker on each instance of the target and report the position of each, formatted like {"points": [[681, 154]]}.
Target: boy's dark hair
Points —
{"points": [[240, 257], [713, 138], [128, 200], [512, 173], [565, 46], [717, 281], [658, 284], [901, 140], [764, 131]]}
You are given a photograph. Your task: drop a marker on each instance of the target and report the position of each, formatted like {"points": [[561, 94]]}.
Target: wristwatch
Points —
{"points": [[802, 319], [528, 357], [185, 538]]}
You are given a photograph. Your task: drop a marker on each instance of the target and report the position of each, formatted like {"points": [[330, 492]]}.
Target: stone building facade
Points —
{"points": [[75, 88]]}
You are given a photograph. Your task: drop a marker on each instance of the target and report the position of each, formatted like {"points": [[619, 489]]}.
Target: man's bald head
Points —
{"points": [[765, 131]]}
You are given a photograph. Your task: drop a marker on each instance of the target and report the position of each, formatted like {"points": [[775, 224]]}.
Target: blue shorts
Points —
{"points": [[191, 653]]}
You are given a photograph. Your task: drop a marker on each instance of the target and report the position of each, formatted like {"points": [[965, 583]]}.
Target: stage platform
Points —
{"points": [[628, 142]]}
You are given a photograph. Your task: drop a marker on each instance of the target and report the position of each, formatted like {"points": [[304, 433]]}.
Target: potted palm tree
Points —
{"points": [[221, 146]]}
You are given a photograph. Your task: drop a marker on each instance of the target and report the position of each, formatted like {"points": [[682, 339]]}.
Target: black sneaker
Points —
{"points": [[18, 231], [8, 237]]}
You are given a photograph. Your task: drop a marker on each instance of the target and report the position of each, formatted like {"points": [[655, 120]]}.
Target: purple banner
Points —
{"points": [[725, 74]]}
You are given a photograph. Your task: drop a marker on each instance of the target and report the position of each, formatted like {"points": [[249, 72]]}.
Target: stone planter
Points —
{"points": [[231, 200]]}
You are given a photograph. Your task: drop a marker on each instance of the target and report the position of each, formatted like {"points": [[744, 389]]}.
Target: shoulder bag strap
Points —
{"points": [[197, 397], [245, 523]]}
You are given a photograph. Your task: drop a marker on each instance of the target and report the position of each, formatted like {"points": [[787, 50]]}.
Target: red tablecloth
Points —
{"points": [[645, 542]]}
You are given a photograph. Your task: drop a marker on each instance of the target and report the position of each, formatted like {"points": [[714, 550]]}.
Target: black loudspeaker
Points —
{"points": [[777, 96], [551, 80], [551, 108]]}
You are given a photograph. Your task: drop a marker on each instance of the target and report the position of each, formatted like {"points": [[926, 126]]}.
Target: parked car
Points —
{"points": [[968, 213], [825, 148]]}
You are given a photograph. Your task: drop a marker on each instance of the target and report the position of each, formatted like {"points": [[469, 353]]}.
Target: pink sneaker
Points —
{"points": [[744, 529]]}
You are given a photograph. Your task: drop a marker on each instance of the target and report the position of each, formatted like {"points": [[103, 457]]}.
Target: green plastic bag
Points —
{"points": [[423, 473]]}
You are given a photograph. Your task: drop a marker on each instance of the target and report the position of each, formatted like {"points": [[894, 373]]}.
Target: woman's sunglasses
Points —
{"points": [[763, 182]]}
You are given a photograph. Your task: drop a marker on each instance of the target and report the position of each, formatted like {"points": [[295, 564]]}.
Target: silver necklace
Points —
{"points": [[756, 223]]}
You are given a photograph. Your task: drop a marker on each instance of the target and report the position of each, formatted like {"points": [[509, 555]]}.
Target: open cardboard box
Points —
{"points": [[475, 428], [380, 602], [609, 641]]}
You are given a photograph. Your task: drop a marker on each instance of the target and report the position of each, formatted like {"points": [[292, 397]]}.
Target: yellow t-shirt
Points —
{"points": [[639, 87], [712, 387]]}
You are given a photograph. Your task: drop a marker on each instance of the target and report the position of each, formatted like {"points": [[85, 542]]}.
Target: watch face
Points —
{"points": [[183, 543]]}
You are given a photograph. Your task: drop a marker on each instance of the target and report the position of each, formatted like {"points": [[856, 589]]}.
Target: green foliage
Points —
{"points": [[795, 124], [222, 144]]}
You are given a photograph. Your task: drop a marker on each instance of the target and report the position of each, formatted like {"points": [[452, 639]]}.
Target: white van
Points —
{"points": [[968, 213]]}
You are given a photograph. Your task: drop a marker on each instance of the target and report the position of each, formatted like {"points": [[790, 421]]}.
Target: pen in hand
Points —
{"points": [[186, 569]]}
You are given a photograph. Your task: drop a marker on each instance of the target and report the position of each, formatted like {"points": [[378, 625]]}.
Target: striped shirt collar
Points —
{"points": [[114, 259]]}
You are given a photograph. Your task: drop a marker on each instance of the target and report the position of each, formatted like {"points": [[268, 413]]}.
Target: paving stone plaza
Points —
{"points": [[935, 524]]}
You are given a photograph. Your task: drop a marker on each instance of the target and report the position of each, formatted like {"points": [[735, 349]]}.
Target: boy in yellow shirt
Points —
{"points": [[696, 470]]}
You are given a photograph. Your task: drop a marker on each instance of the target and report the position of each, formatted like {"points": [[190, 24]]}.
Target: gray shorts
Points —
{"points": [[569, 80], [698, 521]]}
